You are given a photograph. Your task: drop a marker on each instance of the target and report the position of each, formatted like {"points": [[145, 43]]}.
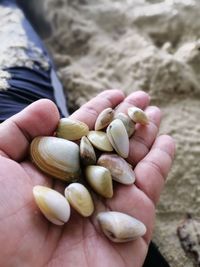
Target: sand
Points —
{"points": [[148, 45]]}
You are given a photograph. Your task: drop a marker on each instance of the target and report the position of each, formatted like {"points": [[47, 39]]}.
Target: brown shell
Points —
{"points": [[87, 153], [57, 157]]}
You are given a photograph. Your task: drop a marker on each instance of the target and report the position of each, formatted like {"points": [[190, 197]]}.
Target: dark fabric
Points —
{"points": [[35, 17], [26, 86], [154, 258], [30, 84]]}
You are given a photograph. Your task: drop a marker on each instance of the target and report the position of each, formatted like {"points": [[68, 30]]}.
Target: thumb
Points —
{"points": [[16, 133]]}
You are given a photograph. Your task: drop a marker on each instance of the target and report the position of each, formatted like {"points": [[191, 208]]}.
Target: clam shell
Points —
{"points": [[120, 227], [100, 140], [99, 178], [118, 137], [104, 118], [87, 153], [80, 199], [71, 129], [120, 170], [128, 123], [52, 204], [56, 157], [138, 115]]}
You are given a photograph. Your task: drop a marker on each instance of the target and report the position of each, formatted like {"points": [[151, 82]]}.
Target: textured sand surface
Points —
{"points": [[149, 45]]}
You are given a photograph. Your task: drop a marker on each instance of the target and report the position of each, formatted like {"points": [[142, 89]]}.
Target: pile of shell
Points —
{"points": [[75, 157]]}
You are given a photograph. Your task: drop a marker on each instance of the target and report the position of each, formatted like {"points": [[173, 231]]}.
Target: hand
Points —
{"points": [[28, 239]]}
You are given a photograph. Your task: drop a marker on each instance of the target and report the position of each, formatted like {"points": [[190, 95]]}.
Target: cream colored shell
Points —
{"points": [[118, 137], [71, 129], [56, 156], [80, 199], [138, 115], [120, 170], [104, 118], [120, 227], [100, 140], [128, 123], [52, 204], [99, 178]]}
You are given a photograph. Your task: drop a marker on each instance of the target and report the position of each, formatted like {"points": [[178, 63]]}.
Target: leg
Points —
{"points": [[26, 70]]}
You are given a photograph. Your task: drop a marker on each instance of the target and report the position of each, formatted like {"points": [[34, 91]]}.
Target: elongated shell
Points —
{"points": [[128, 123], [120, 227], [71, 129], [120, 170], [118, 137], [56, 157], [104, 118], [87, 153], [52, 204], [100, 140], [99, 178], [80, 199], [138, 115]]}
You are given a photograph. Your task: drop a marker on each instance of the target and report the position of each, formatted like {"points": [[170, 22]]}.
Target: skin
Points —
{"points": [[28, 239]]}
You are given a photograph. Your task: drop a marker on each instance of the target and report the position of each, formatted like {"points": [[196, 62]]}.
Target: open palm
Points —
{"points": [[27, 239]]}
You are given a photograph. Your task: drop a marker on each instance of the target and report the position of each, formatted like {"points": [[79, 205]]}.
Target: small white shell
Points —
{"points": [[71, 129], [120, 170], [52, 204], [128, 123], [104, 118], [138, 115], [120, 227], [100, 140], [118, 137], [99, 178], [80, 199]]}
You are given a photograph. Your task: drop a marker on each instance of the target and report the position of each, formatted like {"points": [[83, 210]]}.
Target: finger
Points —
{"points": [[88, 112], [40, 118], [152, 171], [144, 136], [139, 99]]}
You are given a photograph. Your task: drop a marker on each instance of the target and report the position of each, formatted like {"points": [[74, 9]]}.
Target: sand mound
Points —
{"points": [[149, 45]]}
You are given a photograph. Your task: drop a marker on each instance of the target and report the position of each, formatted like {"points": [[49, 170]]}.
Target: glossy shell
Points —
{"points": [[100, 140], [71, 129], [120, 227], [87, 153], [99, 178], [118, 137], [138, 115], [52, 204], [104, 118], [120, 170], [57, 157], [128, 123], [80, 199]]}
